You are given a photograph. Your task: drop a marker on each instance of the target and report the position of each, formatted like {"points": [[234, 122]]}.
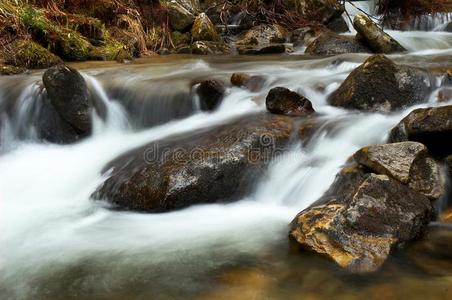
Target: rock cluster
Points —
{"points": [[379, 201]]}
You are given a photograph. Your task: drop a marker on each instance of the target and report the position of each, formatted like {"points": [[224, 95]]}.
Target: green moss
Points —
{"points": [[36, 22], [28, 54], [10, 70], [91, 28], [108, 52], [71, 45], [180, 38]]}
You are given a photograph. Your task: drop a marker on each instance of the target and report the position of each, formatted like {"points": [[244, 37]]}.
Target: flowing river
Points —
{"points": [[57, 243]]}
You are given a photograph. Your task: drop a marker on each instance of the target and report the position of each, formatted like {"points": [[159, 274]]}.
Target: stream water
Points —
{"points": [[56, 243]]}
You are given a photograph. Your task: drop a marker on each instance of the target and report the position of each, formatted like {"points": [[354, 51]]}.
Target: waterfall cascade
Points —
{"points": [[49, 224]]}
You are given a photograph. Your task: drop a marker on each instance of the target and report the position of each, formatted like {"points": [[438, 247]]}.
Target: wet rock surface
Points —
{"points": [[430, 126], [286, 102], [379, 200], [394, 160], [212, 165], [330, 43], [408, 163], [69, 95], [210, 93], [359, 232], [398, 86]]}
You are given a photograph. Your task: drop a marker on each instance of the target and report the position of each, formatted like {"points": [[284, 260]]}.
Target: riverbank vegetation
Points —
{"points": [[40, 33]]}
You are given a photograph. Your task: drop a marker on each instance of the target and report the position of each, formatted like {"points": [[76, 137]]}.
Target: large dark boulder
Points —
{"points": [[51, 126], [69, 95], [210, 93], [212, 165], [286, 102], [381, 85], [430, 126], [375, 37], [330, 43], [359, 232]]}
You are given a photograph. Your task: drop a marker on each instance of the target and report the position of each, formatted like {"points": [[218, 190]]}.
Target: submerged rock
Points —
{"points": [[359, 231], [210, 93], [430, 126], [286, 102], [216, 164], [330, 43], [252, 83], [69, 95], [204, 30], [374, 37], [398, 86]]}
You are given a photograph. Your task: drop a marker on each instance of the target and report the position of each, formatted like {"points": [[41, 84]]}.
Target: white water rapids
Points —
{"points": [[48, 222]]}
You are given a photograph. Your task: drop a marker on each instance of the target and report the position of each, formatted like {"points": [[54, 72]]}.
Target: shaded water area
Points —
{"points": [[57, 243]]}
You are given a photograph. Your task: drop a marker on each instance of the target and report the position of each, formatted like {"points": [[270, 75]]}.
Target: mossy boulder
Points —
{"points": [[28, 54], [180, 16], [203, 29]]}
